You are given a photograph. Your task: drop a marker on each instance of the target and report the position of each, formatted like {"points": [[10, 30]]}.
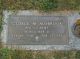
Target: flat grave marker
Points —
{"points": [[37, 30]]}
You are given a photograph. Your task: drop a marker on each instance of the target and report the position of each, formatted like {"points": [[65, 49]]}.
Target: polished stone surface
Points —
{"points": [[37, 30]]}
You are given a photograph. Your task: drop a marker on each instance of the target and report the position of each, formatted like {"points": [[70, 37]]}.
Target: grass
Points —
{"points": [[44, 5], [41, 5], [6, 53]]}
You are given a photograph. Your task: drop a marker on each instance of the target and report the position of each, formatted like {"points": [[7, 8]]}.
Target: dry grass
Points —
{"points": [[25, 54]]}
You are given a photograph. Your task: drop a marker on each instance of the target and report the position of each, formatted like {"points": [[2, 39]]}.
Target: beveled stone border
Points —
{"points": [[74, 43]]}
